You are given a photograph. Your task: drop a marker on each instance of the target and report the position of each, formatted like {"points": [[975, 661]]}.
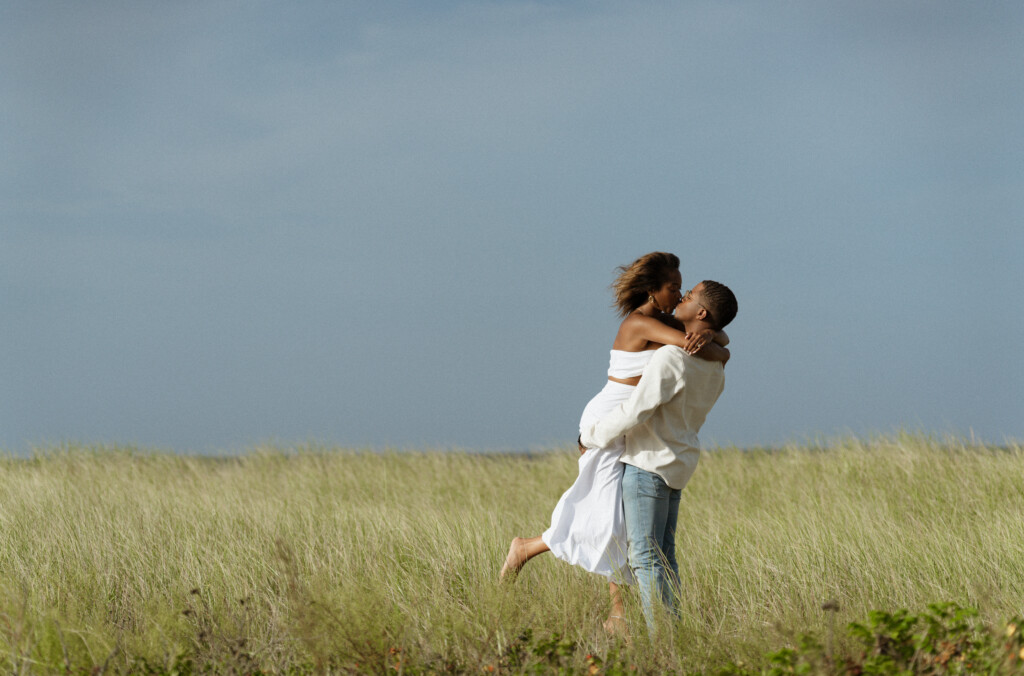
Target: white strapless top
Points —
{"points": [[624, 364]]}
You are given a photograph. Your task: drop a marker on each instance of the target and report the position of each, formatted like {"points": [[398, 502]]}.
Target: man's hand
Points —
{"points": [[579, 444]]}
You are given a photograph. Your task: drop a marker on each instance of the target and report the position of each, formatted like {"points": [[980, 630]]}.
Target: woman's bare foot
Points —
{"points": [[616, 626], [519, 552], [516, 559]]}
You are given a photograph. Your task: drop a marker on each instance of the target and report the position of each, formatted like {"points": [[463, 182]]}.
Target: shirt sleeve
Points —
{"points": [[661, 382]]}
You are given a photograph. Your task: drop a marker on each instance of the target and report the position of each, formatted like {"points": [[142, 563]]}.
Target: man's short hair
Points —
{"points": [[720, 303]]}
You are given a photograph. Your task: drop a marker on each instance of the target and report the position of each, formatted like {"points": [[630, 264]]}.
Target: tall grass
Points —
{"points": [[334, 560]]}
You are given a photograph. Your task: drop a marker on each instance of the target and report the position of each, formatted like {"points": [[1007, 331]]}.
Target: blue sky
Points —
{"points": [[395, 224]]}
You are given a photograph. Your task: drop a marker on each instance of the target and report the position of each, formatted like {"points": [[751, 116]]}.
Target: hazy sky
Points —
{"points": [[395, 223]]}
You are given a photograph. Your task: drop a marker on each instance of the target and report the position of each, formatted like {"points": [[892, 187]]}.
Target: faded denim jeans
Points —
{"points": [[651, 508]]}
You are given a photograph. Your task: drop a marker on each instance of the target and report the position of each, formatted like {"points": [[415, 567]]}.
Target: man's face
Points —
{"points": [[691, 304]]}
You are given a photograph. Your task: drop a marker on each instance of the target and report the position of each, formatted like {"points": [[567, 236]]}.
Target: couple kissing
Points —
{"points": [[638, 438]]}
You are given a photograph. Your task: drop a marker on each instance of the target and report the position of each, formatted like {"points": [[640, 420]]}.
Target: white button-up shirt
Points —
{"points": [[663, 415]]}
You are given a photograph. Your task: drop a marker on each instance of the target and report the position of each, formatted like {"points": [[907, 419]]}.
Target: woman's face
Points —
{"points": [[668, 296]]}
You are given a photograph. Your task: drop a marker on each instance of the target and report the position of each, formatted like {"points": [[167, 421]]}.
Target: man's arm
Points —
{"points": [[662, 380]]}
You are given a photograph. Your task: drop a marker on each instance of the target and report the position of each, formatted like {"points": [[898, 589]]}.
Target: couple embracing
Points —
{"points": [[638, 437]]}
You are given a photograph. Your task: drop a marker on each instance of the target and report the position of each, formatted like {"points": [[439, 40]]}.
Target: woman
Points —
{"points": [[587, 527]]}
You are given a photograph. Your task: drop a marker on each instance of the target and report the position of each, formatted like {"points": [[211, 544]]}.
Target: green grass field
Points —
{"points": [[329, 560]]}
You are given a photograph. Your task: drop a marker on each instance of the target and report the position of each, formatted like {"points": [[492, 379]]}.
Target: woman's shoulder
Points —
{"points": [[636, 322], [637, 331], [629, 337]]}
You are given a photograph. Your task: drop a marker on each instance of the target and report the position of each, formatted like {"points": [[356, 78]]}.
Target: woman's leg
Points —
{"points": [[519, 552], [616, 622]]}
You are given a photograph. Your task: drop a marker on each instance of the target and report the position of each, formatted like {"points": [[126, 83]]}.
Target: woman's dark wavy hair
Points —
{"points": [[638, 279], [720, 303]]}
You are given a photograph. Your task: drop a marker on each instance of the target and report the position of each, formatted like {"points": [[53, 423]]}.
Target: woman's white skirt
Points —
{"points": [[587, 527]]}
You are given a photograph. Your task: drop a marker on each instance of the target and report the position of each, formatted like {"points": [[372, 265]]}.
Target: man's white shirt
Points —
{"points": [[663, 415]]}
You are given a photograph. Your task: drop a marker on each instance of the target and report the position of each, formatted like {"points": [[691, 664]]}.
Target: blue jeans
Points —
{"points": [[651, 509]]}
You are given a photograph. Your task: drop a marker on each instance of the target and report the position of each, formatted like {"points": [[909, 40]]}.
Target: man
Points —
{"points": [[660, 422]]}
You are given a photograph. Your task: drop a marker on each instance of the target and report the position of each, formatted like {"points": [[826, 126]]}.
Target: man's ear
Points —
{"points": [[702, 314]]}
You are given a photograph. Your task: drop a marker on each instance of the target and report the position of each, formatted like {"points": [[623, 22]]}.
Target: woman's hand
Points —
{"points": [[696, 340]]}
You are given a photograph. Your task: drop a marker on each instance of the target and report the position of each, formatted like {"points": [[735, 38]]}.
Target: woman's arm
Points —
{"points": [[714, 352], [656, 331], [715, 349]]}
